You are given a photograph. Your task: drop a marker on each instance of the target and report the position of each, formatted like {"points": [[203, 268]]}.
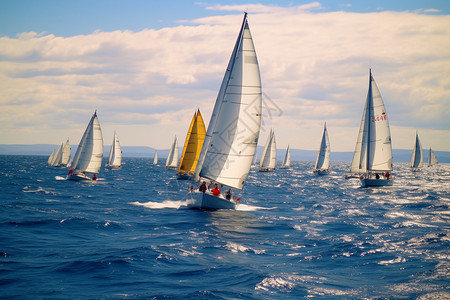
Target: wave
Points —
{"points": [[161, 205]]}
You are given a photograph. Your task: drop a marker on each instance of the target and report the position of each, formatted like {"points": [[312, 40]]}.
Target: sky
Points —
{"points": [[146, 66]]}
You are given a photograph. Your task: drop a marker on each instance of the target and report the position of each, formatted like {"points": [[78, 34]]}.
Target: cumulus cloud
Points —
{"points": [[314, 67]]}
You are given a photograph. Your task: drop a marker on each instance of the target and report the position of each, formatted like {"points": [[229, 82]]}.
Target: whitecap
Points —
{"points": [[161, 205], [275, 284], [393, 261], [247, 207]]}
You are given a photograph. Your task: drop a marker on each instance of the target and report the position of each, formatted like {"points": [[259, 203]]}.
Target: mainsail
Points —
{"points": [[233, 130], [269, 155], [172, 158], [417, 155], [88, 157], [193, 144], [287, 159], [373, 150], [323, 156], [65, 154], [115, 154], [432, 159], [155, 158]]}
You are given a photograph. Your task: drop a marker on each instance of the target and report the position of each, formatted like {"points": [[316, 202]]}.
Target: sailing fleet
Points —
{"points": [[219, 158]]}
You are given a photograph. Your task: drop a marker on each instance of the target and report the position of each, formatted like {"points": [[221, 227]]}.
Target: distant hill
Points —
{"points": [[400, 155]]}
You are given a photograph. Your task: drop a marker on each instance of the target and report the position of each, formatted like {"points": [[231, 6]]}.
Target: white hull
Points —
{"points": [[78, 177], [266, 169], [365, 182], [199, 200], [113, 167], [321, 172]]}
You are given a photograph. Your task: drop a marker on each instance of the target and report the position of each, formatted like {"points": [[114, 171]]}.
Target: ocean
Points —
{"points": [[295, 235]]}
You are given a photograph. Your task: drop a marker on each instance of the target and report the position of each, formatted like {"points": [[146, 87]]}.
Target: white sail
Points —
{"points": [[417, 155], [233, 130], [432, 159], [65, 154], [57, 157], [373, 151], [287, 159], [323, 156], [115, 154], [50, 158], [155, 158], [172, 158], [269, 155], [88, 157]]}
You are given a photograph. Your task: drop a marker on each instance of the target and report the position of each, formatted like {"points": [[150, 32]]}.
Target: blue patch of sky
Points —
{"points": [[68, 18]]}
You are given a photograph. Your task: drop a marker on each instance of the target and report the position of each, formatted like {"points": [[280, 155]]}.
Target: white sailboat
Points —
{"points": [[269, 155], [373, 152], [56, 160], [89, 155], [417, 155], [286, 164], [50, 158], [155, 158], [432, 159], [65, 154], [233, 130], [115, 154], [322, 166], [172, 158]]}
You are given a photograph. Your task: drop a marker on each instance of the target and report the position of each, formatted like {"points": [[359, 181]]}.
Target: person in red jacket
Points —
{"points": [[216, 191]]}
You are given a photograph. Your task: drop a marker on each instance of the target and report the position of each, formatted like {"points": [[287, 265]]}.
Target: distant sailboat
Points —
{"points": [[287, 159], [172, 158], [322, 166], [56, 159], [65, 154], [155, 158], [50, 158], [192, 147], [89, 155], [432, 159], [269, 155], [373, 152], [115, 154], [417, 155], [233, 130]]}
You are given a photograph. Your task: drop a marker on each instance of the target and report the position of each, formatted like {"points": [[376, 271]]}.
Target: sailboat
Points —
{"points": [[322, 166], [65, 154], [56, 159], [155, 158], [50, 158], [233, 129], [89, 155], [172, 158], [373, 152], [115, 154], [286, 164], [417, 155], [432, 159], [192, 147], [269, 155]]}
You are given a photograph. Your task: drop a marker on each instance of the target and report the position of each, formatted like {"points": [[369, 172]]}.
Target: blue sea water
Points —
{"points": [[295, 235]]}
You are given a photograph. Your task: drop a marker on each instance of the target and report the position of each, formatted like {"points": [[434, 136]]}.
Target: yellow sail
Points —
{"points": [[193, 144]]}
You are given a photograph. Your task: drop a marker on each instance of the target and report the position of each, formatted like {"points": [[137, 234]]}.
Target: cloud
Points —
{"points": [[314, 68]]}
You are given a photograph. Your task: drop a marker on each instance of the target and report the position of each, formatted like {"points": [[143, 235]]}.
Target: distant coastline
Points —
{"points": [[400, 155]]}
